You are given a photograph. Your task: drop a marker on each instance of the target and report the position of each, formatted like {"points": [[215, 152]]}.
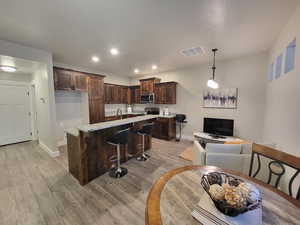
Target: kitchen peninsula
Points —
{"points": [[88, 152]]}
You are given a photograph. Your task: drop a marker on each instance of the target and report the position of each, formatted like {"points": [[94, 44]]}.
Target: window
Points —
{"points": [[278, 66], [271, 72], [290, 57]]}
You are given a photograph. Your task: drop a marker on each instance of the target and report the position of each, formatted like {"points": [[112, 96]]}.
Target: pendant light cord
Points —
{"points": [[214, 65]]}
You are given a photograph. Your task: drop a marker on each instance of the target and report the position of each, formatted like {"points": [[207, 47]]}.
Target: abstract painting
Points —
{"points": [[220, 98]]}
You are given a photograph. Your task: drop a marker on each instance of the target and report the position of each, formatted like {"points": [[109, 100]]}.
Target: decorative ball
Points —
{"points": [[249, 191], [234, 197], [214, 178], [217, 192]]}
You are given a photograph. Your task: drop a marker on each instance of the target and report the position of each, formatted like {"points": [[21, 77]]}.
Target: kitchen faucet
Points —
{"points": [[119, 112]]}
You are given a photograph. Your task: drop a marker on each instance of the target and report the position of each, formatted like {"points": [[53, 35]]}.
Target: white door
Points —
{"points": [[15, 118]]}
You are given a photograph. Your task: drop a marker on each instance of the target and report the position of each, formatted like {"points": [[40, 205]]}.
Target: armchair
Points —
{"points": [[227, 156]]}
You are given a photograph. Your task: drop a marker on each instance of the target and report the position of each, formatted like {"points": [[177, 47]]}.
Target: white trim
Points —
{"points": [[48, 150], [188, 137], [31, 89]]}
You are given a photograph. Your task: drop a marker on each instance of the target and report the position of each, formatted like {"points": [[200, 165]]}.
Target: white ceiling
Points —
{"points": [[145, 31]]}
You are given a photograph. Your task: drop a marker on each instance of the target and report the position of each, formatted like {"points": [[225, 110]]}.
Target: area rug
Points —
{"points": [[187, 154]]}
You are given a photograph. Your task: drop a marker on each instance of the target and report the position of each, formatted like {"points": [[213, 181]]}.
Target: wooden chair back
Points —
{"points": [[277, 166]]}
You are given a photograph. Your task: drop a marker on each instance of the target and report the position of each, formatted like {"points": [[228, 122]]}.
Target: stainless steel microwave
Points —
{"points": [[147, 98]]}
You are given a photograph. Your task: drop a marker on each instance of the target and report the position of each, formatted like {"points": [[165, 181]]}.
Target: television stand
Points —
{"points": [[205, 138], [216, 136]]}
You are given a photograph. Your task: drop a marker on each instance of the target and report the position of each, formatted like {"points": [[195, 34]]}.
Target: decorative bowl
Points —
{"points": [[223, 206]]}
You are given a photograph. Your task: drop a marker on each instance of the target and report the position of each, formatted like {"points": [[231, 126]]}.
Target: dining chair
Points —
{"points": [[279, 164]]}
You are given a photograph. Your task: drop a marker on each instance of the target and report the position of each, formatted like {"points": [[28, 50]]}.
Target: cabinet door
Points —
{"points": [[96, 99], [160, 94], [63, 79], [144, 87], [138, 95], [124, 96], [170, 90], [132, 95], [80, 81], [107, 93]]}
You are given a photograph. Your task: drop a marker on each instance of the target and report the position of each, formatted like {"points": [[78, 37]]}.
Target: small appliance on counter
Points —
{"points": [[129, 109], [166, 111], [152, 110]]}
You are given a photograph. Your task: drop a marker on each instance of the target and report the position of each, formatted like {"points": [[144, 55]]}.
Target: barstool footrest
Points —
{"points": [[142, 157], [118, 172]]}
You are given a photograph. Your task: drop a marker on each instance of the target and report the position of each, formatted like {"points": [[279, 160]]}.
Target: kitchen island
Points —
{"points": [[88, 152]]}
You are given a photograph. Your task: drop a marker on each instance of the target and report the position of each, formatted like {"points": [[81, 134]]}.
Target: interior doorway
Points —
{"points": [[17, 117]]}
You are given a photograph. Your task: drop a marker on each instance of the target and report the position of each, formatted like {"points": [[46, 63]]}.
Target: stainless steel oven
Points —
{"points": [[147, 98]]}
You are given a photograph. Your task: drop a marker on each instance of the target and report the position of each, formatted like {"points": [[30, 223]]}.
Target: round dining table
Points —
{"points": [[175, 195]]}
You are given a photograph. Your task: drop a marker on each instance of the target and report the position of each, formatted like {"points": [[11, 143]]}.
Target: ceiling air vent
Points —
{"points": [[193, 52]]}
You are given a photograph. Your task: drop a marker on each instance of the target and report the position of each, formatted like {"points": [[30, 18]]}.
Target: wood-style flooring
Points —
{"points": [[36, 189]]}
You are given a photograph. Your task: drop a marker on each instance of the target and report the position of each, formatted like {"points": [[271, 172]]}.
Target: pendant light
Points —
{"points": [[211, 82]]}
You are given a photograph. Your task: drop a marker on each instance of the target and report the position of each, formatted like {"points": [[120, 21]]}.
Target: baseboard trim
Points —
{"points": [[48, 150], [188, 138]]}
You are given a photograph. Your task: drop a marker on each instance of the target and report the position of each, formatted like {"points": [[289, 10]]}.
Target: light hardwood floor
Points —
{"points": [[36, 189]]}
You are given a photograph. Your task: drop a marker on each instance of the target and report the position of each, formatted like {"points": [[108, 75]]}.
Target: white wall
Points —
{"points": [[25, 78], [282, 123], [247, 73], [44, 80]]}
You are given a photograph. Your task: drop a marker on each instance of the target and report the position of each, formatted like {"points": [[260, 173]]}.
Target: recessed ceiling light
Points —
{"points": [[136, 71], [114, 51], [95, 59], [10, 69], [154, 67]]}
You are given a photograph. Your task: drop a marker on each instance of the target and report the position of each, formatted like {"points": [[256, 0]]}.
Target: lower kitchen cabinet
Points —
{"points": [[165, 128]]}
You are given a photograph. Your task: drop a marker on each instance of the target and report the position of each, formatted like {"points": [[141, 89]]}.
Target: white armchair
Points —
{"points": [[227, 156]]}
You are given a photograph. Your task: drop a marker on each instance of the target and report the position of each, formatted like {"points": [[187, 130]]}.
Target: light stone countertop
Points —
{"points": [[103, 125], [114, 123], [167, 116], [73, 131]]}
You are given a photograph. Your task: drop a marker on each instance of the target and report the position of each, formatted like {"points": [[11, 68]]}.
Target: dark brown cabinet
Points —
{"points": [[165, 128], [165, 93], [69, 80], [148, 85], [96, 99], [116, 94], [135, 95]]}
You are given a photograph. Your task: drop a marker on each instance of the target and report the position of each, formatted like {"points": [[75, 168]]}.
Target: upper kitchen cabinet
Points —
{"points": [[135, 95], [116, 94], [69, 80], [148, 85], [96, 99], [165, 93]]}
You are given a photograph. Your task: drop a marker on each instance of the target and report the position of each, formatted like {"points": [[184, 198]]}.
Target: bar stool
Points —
{"points": [[146, 130], [180, 119], [119, 138]]}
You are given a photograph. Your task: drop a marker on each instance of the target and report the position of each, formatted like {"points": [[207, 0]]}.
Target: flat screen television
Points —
{"points": [[218, 126]]}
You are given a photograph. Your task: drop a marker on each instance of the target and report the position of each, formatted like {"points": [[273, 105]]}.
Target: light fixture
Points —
{"points": [[95, 59], [114, 51], [211, 82], [136, 71], [10, 69], [154, 67]]}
